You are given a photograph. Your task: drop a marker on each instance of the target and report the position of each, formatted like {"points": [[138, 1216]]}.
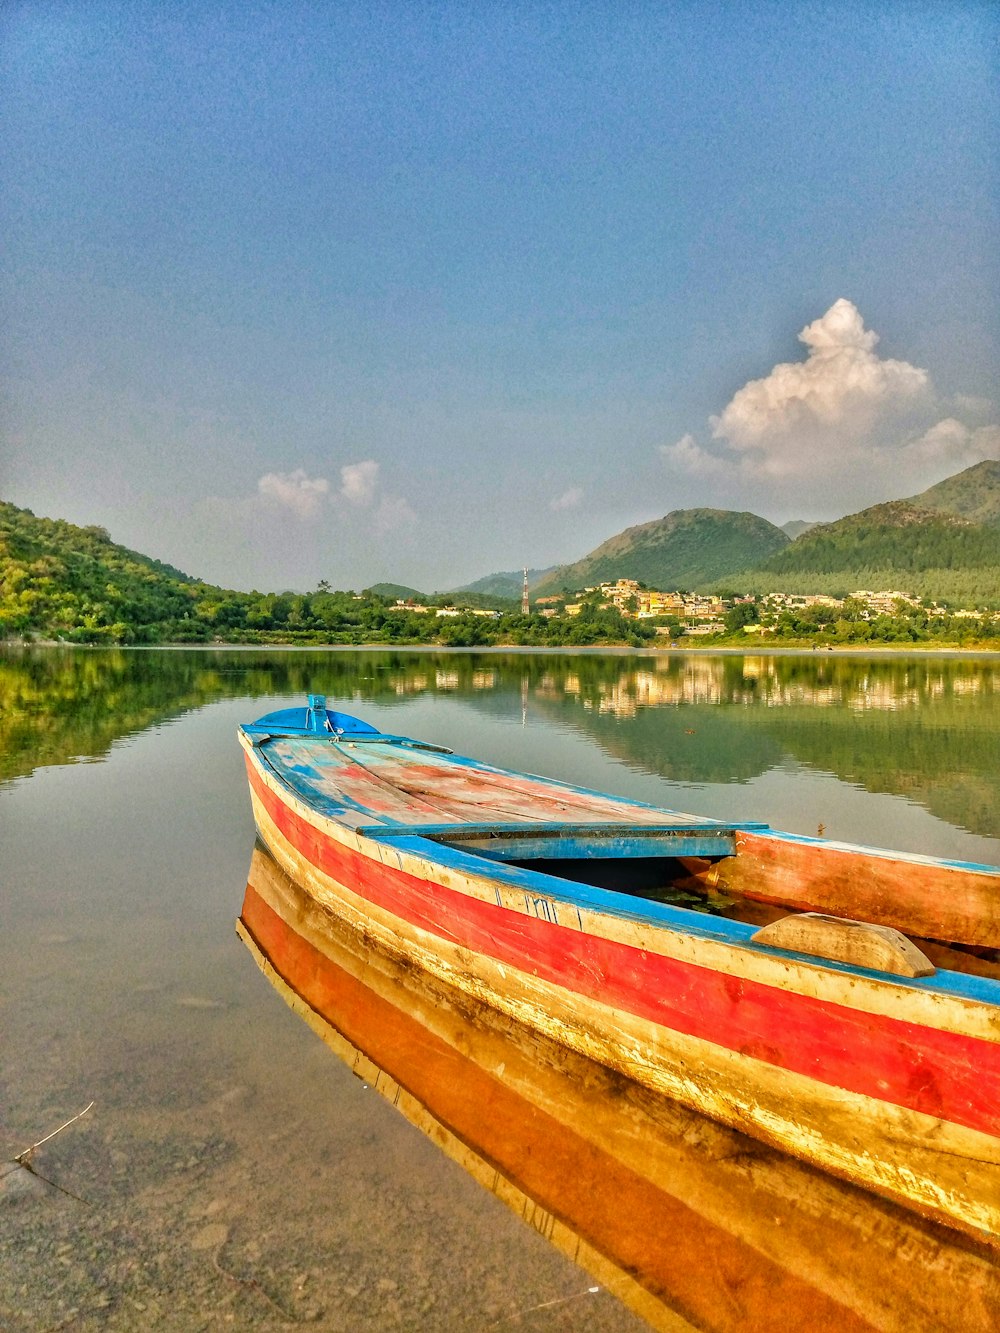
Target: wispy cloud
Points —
{"points": [[688, 456], [843, 418], [955, 444], [359, 482], [295, 491], [359, 492], [570, 499]]}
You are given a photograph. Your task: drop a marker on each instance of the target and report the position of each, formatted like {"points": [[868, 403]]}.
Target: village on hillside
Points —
{"points": [[699, 615]]}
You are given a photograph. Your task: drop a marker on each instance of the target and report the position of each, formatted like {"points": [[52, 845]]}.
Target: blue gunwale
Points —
{"points": [[570, 840], [681, 920]]}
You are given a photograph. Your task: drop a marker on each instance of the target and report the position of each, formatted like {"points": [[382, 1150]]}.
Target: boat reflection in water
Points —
{"points": [[689, 1223]]}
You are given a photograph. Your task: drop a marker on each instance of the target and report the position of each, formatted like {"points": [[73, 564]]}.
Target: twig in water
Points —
{"points": [[249, 1283], [23, 1158], [546, 1305], [24, 1162]]}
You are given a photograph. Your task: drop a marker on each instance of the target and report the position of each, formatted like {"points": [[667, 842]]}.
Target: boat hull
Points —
{"points": [[891, 1084], [643, 1194]]}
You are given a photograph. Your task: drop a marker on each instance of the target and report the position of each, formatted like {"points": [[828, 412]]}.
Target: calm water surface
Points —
{"points": [[233, 1173]]}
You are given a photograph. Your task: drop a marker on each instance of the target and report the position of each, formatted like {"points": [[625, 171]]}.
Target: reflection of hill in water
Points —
{"points": [[923, 728]]}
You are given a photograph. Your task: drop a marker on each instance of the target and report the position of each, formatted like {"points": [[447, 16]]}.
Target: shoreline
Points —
{"points": [[550, 650]]}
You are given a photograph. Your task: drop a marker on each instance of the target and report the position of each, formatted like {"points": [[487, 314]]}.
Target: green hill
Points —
{"points": [[76, 583], [796, 527], [396, 591], [896, 545], [973, 494], [684, 549]]}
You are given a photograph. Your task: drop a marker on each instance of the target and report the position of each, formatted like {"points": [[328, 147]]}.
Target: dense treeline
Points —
{"points": [[853, 623], [345, 617]]}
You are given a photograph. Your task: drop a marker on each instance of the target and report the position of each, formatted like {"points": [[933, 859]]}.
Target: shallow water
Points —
{"points": [[235, 1173]]}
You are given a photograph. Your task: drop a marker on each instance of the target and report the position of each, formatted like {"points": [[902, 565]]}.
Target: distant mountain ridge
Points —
{"points": [[507, 584], [685, 548], [950, 528], [796, 527], [899, 546], [897, 535]]}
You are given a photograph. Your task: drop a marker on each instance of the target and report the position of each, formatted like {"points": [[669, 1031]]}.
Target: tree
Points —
{"points": [[743, 613]]}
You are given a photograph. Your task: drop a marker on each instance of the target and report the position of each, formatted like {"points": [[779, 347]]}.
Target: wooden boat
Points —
{"points": [[690, 1223], [832, 1038]]}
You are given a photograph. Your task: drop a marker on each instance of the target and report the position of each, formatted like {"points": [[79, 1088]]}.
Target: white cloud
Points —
{"points": [[358, 482], [569, 499], [842, 427], [294, 491], [807, 413]]}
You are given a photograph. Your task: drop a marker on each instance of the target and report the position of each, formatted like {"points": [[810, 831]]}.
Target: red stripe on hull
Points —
{"points": [[942, 1074]]}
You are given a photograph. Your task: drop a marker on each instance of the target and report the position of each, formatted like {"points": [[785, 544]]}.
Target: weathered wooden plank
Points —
{"points": [[878, 948]]}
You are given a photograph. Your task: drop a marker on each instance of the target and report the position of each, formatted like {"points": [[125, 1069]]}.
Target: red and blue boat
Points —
{"points": [[816, 1024]]}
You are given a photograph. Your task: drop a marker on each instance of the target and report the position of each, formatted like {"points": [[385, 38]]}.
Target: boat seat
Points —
{"points": [[562, 841]]}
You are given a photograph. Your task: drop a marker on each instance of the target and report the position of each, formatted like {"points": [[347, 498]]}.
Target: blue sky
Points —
{"points": [[418, 291]]}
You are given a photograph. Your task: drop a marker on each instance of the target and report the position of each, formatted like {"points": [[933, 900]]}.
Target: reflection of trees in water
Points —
{"points": [[925, 728], [57, 704]]}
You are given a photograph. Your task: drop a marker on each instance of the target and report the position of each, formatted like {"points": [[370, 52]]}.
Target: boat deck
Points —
{"points": [[417, 789]]}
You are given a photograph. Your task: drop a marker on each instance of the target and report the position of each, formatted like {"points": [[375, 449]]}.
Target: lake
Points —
{"points": [[233, 1172]]}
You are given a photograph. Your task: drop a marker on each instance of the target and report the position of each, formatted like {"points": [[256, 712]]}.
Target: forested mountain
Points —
{"points": [[896, 546], [973, 494], [684, 549]]}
